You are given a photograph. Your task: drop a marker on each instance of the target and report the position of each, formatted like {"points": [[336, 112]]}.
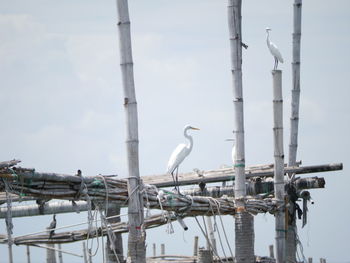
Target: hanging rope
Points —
{"points": [[222, 224], [110, 234], [220, 240], [207, 238]]}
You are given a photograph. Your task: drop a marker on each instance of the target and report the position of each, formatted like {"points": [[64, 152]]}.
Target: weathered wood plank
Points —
{"points": [[228, 174]]}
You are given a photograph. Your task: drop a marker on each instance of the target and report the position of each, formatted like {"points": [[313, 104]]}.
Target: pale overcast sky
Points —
{"points": [[61, 99]]}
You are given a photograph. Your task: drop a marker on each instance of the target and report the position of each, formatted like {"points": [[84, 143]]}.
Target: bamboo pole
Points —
{"points": [[90, 255], [136, 238], [60, 258], [58, 207], [211, 234], [8, 220], [205, 256], [271, 252], [291, 243], [50, 253], [162, 249], [28, 254], [279, 164], [294, 119], [154, 250], [244, 222], [195, 246], [68, 186], [85, 253]]}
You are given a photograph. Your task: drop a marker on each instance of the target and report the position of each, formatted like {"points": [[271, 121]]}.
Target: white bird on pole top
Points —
{"points": [[273, 49], [179, 154], [233, 153]]}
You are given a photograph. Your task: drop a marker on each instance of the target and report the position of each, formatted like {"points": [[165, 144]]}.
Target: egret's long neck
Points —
{"points": [[190, 140]]}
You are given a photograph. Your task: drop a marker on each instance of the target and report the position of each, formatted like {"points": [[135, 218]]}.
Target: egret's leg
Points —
{"points": [[177, 180], [172, 174]]}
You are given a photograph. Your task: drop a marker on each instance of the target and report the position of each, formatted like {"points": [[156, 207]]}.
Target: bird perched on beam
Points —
{"points": [[273, 49], [52, 226], [79, 174], [179, 155]]}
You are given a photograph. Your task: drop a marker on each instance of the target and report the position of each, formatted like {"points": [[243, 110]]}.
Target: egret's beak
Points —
{"points": [[230, 140], [193, 128]]}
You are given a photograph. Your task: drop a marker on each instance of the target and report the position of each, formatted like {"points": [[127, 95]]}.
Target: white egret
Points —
{"points": [[273, 49], [233, 153], [179, 154]]}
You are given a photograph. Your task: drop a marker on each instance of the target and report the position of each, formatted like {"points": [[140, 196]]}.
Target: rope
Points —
{"points": [[222, 224], [301, 248], [110, 234], [102, 241], [214, 251], [148, 205], [68, 226], [159, 196], [219, 235], [170, 228], [92, 242], [107, 196]]}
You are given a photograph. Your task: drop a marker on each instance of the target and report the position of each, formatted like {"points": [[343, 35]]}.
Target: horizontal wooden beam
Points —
{"points": [[253, 188], [227, 174]]}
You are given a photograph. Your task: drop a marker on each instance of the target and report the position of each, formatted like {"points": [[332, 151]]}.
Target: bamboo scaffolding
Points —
{"points": [[200, 206], [256, 187], [71, 186]]}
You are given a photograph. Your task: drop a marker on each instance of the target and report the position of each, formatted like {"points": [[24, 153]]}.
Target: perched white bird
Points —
{"points": [[273, 49], [179, 154], [233, 153]]}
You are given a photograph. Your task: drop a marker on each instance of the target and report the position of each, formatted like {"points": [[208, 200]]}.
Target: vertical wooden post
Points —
{"points": [[89, 255], [244, 222], [85, 253], [136, 238], [279, 164], [50, 254], [8, 221], [28, 254], [162, 249], [154, 250], [211, 234], [60, 258], [205, 256], [272, 254], [114, 246], [294, 119], [195, 246], [309, 260], [291, 244]]}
